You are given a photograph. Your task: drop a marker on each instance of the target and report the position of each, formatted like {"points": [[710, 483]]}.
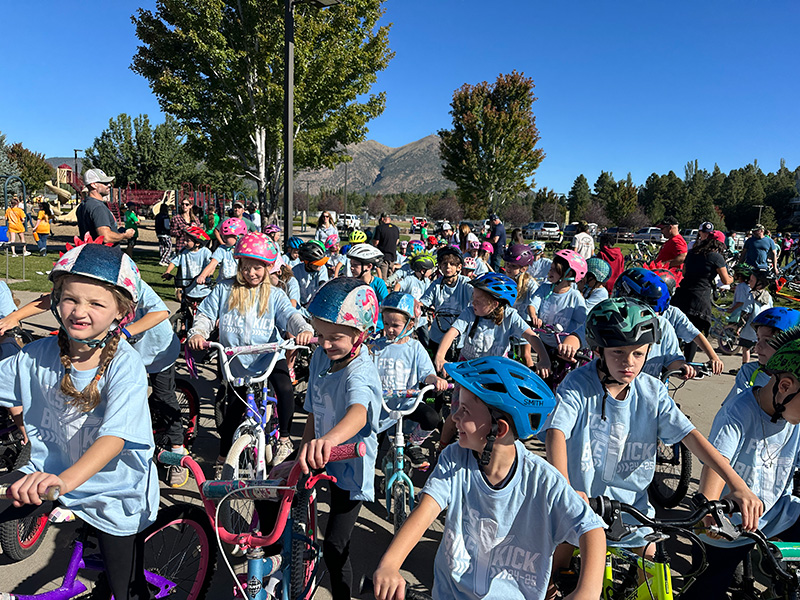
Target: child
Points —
{"points": [[250, 311], [474, 250], [422, 264], [83, 395], [163, 235], [431, 242], [292, 256], [41, 230], [337, 259], [281, 276], [15, 221], [470, 264], [502, 501], [131, 222], [231, 230], [540, 266], [757, 300], [517, 259], [767, 324], [559, 302], [593, 285], [403, 363], [758, 433], [191, 261], [448, 294], [344, 403], [309, 273], [613, 256], [741, 274], [402, 254], [364, 260], [603, 434], [485, 257]]}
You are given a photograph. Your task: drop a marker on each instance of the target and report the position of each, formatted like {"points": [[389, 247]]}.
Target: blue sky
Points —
{"points": [[622, 86]]}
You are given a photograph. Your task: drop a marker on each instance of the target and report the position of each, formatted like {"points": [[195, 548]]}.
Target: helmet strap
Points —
{"points": [[362, 335], [486, 455], [779, 408], [91, 343]]}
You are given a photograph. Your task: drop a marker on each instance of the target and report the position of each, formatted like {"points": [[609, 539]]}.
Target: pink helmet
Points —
{"points": [[276, 266], [257, 246], [474, 245], [331, 241], [233, 226], [487, 246], [272, 228], [470, 263], [719, 236], [575, 261]]}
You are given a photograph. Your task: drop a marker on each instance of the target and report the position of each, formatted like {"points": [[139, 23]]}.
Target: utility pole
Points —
{"points": [[344, 205], [759, 207]]}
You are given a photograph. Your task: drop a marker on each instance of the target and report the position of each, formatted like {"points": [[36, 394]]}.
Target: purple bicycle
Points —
{"points": [[180, 556]]}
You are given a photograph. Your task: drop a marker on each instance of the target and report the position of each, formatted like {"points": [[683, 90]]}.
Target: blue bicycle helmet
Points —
{"points": [[499, 286], [508, 386], [599, 269], [346, 301], [295, 242], [643, 285], [401, 302], [778, 317]]}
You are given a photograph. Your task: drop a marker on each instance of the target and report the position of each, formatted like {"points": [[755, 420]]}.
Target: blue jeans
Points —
{"points": [[41, 243]]}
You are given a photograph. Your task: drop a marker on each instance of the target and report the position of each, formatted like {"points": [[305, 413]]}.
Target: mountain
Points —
{"points": [[379, 169], [375, 169]]}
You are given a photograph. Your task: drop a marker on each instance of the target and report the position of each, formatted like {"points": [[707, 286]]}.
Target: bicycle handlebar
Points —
{"points": [[227, 354], [51, 493], [365, 586], [703, 370]]}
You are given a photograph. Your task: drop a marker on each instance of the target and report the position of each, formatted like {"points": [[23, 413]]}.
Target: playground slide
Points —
{"points": [[63, 194]]}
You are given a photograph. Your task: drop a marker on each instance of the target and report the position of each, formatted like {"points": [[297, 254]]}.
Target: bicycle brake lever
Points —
{"points": [[723, 526]]}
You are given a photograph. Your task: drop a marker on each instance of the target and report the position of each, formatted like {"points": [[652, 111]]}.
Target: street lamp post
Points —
{"points": [[759, 207], [288, 112]]}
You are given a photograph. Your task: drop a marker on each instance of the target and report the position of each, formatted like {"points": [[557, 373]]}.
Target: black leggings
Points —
{"points": [[282, 384], [336, 547], [123, 556], [690, 349], [163, 384]]}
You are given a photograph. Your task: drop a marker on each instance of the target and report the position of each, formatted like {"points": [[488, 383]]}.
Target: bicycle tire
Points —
{"points": [[399, 505], [180, 544], [720, 299], [21, 538], [304, 556], [728, 341], [189, 401], [672, 475], [239, 515]]}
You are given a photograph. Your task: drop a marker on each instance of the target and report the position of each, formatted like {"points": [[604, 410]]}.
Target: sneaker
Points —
{"points": [[416, 457], [177, 476], [283, 449], [26, 253]]}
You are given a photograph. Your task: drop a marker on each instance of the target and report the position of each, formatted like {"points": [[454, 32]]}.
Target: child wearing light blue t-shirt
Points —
{"points": [[757, 300], [309, 279], [507, 510], [447, 296], [558, 302], [758, 433], [191, 261], [83, 395], [344, 405], [8, 345]]}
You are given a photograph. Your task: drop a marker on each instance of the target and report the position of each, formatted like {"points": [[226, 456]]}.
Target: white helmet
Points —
{"points": [[366, 253]]}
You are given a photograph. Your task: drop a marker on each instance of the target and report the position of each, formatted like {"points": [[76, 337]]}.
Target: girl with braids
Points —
{"points": [[84, 401], [251, 311]]}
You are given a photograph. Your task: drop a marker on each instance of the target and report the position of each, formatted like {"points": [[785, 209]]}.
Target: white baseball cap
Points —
{"points": [[96, 176]]}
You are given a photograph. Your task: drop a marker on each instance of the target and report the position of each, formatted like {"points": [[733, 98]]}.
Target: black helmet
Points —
{"points": [[312, 252], [445, 251]]}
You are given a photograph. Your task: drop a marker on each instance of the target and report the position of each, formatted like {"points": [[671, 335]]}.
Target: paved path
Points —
{"points": [[699, 399]]}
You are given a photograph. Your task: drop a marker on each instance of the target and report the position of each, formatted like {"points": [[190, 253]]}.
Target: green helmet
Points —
{"points": [[786, 359], [622, 322]]}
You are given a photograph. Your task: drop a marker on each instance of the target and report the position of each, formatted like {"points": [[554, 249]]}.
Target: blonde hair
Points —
{"points": [[88, 398], [522, 284], [243, 297]]}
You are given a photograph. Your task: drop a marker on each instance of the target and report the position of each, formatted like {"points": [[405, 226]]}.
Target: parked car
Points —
{"points": [[348, 222], [649, 234], [542, 230], [690, 235], [571, 229], [621, 234]]}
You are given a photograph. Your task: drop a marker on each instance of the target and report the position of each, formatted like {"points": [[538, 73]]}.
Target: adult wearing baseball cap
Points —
{"points": [[238, 213], [94, 216], [760, 251], [674, 250], [497, 236]]}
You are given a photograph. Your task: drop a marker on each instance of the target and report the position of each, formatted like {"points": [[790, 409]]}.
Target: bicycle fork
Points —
{"points": [[394, 470]]}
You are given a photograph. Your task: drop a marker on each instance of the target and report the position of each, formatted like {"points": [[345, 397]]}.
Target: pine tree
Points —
{"points": [[580, 197]]}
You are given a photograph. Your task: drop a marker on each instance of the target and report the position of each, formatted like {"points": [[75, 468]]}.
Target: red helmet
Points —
{"points": [[197, 234]]}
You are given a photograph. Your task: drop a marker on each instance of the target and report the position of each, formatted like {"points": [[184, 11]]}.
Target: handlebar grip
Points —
{"points": [[729, 506], [50, 494], [347, 451], [170, 458], [365, 586]]}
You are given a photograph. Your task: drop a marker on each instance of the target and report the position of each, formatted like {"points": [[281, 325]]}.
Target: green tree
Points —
{"points": [[33, 168], [8, 167], [580, 197], [490, 153], [217, 66], [624, 201]]}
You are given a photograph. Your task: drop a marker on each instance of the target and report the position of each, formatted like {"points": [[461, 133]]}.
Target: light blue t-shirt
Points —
{"points": [[567, 309], [498, 544], [539, 269], [337, 259], [596, 296], [684, 328], [236, 329], [754, 305], [400, 367], [525, 299], [309, 281], [665, 352], [765, 455], [481, 268], [122, 498], [291, 262], [159, 347], [741, 293], [191, 264], [416, 287], [328, 398], [293, 290], [744, 380], [446, 299], [615, 456], [227, 263], [9, 346], [488, 339]]}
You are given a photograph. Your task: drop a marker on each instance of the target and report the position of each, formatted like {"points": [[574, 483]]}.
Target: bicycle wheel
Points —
{"points": [[180, 547], [238, 515], [20, 538], [305, 553], [399, 505], [672, 474], [189, 402], [728, 341], [720, 298]]}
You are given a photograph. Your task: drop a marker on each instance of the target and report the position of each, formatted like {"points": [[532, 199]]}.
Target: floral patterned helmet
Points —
{"points": [[346, 301], [234, 227], [257, 246], [331, 241], [103, 263]]}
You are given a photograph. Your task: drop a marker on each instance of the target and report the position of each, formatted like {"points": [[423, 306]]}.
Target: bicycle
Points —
{"points": [[189, 401], [179, 556], [673, 469], [552, 336], [642, 252], [398, 488], [778, 562], [620, 577], [724, 328], [292, 573]]}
